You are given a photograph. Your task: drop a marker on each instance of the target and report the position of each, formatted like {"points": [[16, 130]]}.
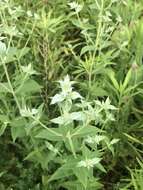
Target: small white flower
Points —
{"points": [[66, 84], [29, 13], [119, 18], [28, 69], [34, 111], [99, 138], [26, 112], [89, 140], [36, 16], [75, 6], [67, 93], [88, 163], [94, 140], [106, 105], [110, 117]]}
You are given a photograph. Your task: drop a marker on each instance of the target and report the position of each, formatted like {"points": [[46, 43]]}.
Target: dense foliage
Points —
{"points": [[71, 93]]}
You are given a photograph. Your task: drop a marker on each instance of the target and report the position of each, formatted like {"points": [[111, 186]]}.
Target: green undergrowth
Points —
{"points": [[71, 93]]}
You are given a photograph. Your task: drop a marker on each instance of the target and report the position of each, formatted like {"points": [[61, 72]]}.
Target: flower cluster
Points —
{"points": [[88, 163], [75, 6]]}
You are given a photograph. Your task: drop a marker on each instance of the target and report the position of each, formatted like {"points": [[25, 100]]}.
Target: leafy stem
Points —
{"points": [[45, 127]]}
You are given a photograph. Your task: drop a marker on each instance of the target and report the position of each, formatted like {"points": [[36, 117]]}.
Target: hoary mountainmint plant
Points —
{"points": [[76, 142], [71, 148]]}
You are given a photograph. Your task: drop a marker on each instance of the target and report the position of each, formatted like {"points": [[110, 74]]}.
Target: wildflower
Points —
{"points": [[75, 6], [88, 163], [26, 112], [106, 105], [66, 84], [110, 117], [67, 93], [89, 140], [94, 140], [36, 16], [119, 18], [28, 69], [67, 118], [29, 13]]}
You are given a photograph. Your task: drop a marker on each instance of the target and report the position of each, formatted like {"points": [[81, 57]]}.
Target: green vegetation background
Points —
{"points": [[99, 44]]}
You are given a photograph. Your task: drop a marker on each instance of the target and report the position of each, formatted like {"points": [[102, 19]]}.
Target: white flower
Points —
{"points": [[106, 105], [67, 118], [110, 117], [66, 84], [26, 112], [88, 163], [29, 13], [34, 111], [89, 140], [67, 93], [75, 6], [94, 140], [119, 18], [28, 69], [36, 16]]}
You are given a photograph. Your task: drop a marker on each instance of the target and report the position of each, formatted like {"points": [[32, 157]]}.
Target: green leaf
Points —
{"points": [[127, 78], [4, 118], [2, 173], [111, 75], [9, 56], [38, 156], [82, 175], [114, 141], [100, 167], [75, 95], [44, 134], [72, 185], [82, 131], [18, 128], [17, 132], [2, 48], [4, 87], [21, 52], [59, 120], [29, 87], [87, 49], [12, 53], [2, 129], [65, 171], [133, 139]]}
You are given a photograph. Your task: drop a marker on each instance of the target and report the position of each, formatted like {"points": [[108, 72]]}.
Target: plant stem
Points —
{"points": [[7, 75]]}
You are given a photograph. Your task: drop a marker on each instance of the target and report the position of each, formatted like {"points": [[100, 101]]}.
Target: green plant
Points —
{"points": [[135, 182], [66, 145], [99, 43]]}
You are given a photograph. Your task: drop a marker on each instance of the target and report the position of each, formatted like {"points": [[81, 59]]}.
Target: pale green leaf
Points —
{"points": [[45, 134]]}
